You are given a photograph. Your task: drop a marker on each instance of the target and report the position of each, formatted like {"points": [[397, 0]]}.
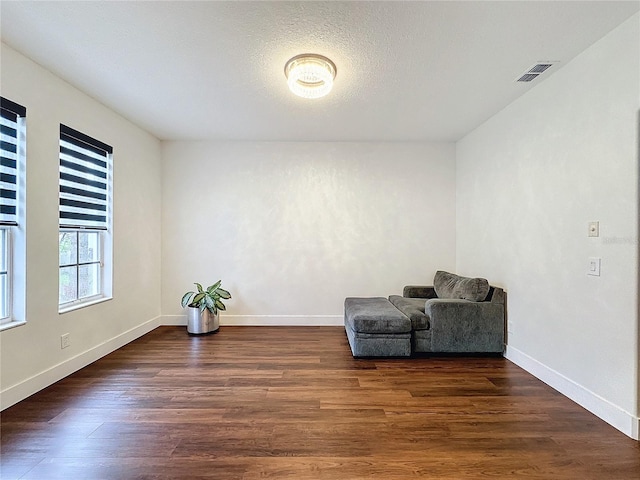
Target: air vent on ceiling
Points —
{"points": [[527, 77], [535, 71]]}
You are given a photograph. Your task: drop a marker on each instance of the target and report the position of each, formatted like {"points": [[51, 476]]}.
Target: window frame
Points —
{"points": [[103, 229], [8, 293], [15, 227], [78, 300]]}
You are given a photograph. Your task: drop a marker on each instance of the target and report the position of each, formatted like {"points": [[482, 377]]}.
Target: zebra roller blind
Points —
{"points": [[10, 115], [85, 180]]}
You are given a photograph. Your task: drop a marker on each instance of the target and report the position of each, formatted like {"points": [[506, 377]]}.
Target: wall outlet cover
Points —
{"points": [[594, 266], [594, 229]]}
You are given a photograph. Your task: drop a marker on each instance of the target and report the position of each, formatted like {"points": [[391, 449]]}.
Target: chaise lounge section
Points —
{"points": [[375, 328]]}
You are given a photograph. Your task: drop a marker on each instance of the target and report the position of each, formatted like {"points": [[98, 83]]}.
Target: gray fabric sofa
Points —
{"points": [[455, 315]]}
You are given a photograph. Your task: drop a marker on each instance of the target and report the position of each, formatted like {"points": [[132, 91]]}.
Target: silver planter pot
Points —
{"points": [[200, 323]]}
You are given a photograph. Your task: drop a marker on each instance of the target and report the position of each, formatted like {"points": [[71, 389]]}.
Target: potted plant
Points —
{"points": [[203, 305]]}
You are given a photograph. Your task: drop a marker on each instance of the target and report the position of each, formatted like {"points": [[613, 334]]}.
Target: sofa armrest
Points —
{"points": [[465, 326], [418, 291]]}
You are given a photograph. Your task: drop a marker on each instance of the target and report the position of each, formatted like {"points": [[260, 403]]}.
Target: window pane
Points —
{"points": [[4, 296], [89, 280], [88, 247], [3, 250], [68, 282], [68, 242]]}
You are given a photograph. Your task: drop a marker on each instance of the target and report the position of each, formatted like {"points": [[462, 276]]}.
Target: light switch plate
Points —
{"points": [[594, 266], [594, 229]]}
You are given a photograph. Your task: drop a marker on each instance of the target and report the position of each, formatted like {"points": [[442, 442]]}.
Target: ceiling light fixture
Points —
{"points": [[310, 75]]}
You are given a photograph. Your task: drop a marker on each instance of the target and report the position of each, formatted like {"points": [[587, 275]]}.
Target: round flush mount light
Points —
{"points": [[310, 75]]}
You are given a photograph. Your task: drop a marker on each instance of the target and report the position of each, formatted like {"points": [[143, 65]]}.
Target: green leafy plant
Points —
{"points": [[211, 298]]}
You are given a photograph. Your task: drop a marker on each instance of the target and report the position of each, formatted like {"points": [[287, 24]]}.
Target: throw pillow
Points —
{"points": [[449, 285]]}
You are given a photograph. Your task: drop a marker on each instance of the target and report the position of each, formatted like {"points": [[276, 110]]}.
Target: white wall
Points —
{"points": [[30, 355], [528, 182], [293, 228]]}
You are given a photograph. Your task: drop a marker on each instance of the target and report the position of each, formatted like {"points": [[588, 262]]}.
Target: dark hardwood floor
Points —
{"points": [[267, 402]]}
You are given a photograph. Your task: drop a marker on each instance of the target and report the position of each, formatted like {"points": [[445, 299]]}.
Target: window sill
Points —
{"points": [[83, 304], [12, 324]]}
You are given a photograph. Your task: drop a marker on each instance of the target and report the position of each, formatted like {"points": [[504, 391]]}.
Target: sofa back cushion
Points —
{"points": [[449, 285]]}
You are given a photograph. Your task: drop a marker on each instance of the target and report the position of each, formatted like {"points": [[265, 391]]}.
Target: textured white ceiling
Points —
{"points": [[407, 71]]}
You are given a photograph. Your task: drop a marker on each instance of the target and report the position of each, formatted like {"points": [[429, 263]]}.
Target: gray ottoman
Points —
{"points": [[375, 328]]}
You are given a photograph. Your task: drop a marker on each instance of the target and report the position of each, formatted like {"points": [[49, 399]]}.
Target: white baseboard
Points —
{"points": [[173, 320], [265, 320], [28, 387], [283, 320], [600, 407]]}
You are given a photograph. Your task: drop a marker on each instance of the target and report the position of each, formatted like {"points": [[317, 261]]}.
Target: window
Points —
{"points": [[5, 280], [85, 225], [12, 245], [80, 264]]}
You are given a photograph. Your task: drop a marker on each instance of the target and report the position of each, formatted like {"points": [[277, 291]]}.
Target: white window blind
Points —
{"points": [[84, 180]]}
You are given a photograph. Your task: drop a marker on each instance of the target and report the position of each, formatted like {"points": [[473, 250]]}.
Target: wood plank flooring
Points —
{"points": [[272, 402]]}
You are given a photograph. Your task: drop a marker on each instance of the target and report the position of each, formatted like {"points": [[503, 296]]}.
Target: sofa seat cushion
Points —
{"points": [[374, 315], [412, 308], [451, 286]]}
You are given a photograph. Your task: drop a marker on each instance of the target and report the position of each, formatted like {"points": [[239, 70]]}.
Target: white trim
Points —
{"points": [[8, 254], [173, 320], [11, 324], [615, 416], [78, 304], [24, 389], [265, 320], [283, 320]]}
